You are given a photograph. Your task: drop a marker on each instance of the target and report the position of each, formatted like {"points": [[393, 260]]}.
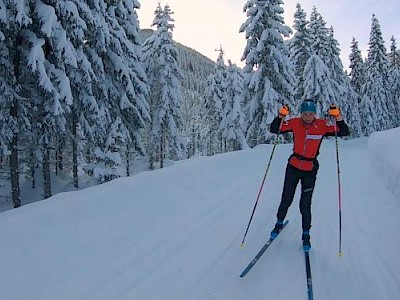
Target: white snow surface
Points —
{"points": [[384, 152], [175, 233]]}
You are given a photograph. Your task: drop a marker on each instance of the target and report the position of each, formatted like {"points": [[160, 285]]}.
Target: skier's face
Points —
{"points": [[307, 117]]}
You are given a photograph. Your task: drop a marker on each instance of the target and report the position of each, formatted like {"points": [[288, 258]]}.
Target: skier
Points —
{"points": [[308, 132]]}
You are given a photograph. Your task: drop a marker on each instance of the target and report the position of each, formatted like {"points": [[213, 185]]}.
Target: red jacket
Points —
{"points": [[307, 138]]}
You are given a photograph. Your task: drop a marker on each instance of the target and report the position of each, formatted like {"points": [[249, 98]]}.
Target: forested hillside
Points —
{"points": [[196, 68]]}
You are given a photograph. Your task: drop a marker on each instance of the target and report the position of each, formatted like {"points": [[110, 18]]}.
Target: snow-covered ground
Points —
{"points": [[384, 155], [174, 234]]}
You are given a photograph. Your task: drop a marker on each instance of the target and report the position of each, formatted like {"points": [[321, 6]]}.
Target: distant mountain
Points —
{"points": [[196, 69], [195, 66], [146, 33]]}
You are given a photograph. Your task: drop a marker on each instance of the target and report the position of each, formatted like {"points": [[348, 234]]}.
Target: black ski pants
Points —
{"points": [[292, 178]]}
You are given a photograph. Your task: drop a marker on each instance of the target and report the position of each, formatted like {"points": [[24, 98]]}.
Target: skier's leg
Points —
{"points": [[289, 188], [307, 189]]}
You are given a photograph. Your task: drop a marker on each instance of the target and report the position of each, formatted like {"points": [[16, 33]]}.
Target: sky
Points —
{"points": [[205, 25]]}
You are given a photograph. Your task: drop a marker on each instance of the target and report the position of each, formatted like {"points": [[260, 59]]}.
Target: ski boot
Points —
{"points": [[278, 227], [306, 240]]}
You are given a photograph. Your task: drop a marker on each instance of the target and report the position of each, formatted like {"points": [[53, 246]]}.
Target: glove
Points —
{"points": [[284, 111], [334, 111]]}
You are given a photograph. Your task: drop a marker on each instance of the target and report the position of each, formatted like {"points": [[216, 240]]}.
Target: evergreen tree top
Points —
{"points": [[157, 16], [163, 18], [220, 59], [377, 59], [358, 70], [264, 29], [319, 34], [394, 55], [300, 19]]}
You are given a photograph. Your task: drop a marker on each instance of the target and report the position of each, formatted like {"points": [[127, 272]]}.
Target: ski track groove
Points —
{"points": [[391, 277], [384, 267], [171, 249], [358, 225], [206, 233], [214, 291]]}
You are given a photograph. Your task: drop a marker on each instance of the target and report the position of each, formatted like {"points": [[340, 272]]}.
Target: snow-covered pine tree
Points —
{"points": [[196, 127], [345, 95], [216, 98], [48, 51], [358, 72], [232, 123], [300, 50], [376, 104], [85, 111], [95, 113], [335, 66], [318, 83], [161, 58], [14, 107], [325, 80], [319, 35], [120, 87], [394, 55], [150, 51], [269, 74], [394, 78], [136, 119]]}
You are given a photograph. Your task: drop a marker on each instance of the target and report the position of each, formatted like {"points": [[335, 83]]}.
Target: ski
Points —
{"points": [[261, 252], [308, 272]]}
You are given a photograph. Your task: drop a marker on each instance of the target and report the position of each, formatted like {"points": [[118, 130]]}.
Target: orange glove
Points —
{"points": [[284, 111], [334, 111]]}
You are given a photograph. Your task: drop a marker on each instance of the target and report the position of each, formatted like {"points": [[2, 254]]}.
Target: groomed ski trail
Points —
{"points": [[281, 270], [219, 266], [181, 240]]}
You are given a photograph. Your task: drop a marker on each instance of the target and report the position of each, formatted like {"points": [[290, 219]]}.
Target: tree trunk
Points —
{"points": [[88, 153], [193, 150], [32, 167], [46, 172], [74, 151], [58, 155], [14, 159], [32, 159], [14, 170], [162, 154], [162, 147], [151, 161], [127, 162]]}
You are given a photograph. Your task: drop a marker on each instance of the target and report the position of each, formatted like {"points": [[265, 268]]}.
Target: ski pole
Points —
{"points": [[339, 190], [276, 141]]}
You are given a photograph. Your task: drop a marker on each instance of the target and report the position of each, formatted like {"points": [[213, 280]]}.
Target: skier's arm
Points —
{"points": [[280, 126], [276, 123], [341, 127]]}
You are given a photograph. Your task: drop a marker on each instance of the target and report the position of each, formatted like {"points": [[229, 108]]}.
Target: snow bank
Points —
{"points": [[384, 151]]}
